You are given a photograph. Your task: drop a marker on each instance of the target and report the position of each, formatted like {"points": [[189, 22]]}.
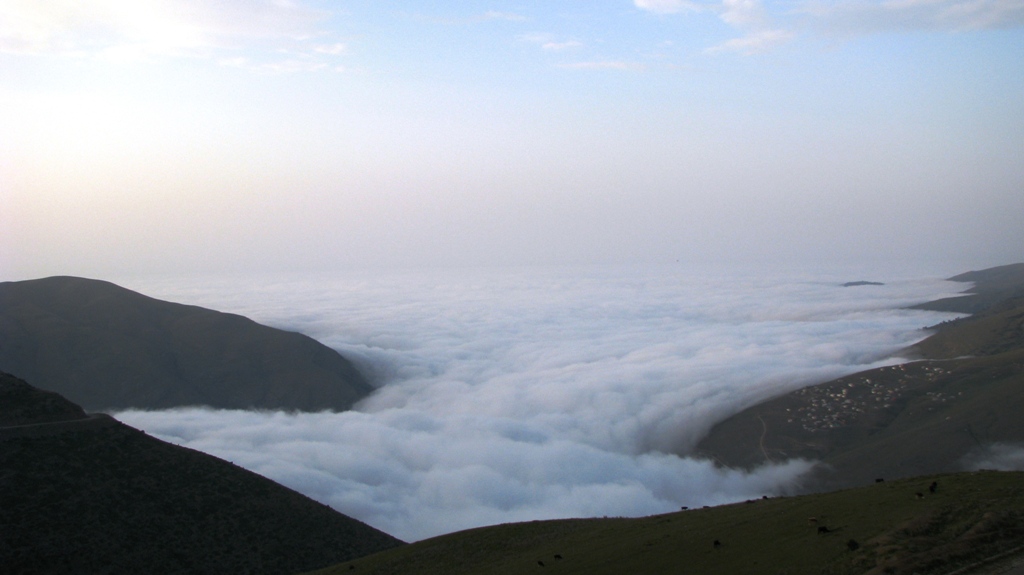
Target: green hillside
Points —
{"points": [[882, 528]]}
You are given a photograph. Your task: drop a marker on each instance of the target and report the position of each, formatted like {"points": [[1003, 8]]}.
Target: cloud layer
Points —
{"points": [[998, 456], [516, 395], [284, 34]]}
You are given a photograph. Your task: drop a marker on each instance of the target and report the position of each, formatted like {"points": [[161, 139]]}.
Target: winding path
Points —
{"points": [[92, 421]]}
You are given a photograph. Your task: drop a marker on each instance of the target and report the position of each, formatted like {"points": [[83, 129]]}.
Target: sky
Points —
{"points": [[189, 136]]}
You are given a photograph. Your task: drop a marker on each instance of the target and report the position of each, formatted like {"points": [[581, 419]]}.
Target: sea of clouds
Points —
{"points": [[513, 395]]}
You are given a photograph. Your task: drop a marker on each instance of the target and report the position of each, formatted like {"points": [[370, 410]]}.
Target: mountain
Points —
{"points": [[86, 494], [106, 348], [962, 400], [991, 286], [898, 527]]}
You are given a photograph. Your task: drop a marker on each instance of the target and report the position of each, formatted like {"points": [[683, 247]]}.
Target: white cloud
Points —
{"points": [[754, 43], [548, 41], [748, 15], [561, 45], [864, 16], [743, 12], [519, 395], [333, 49], [667, 6], [416, 475], [145, 29], [603, 65], [998, 456], [509, 16], [489, 16]]}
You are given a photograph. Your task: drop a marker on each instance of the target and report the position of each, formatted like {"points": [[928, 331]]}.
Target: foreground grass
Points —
{"points": [[883, 528]]}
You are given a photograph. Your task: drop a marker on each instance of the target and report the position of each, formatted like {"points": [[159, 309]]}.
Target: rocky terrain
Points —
{"points": [[106, 348], [81, 494]]}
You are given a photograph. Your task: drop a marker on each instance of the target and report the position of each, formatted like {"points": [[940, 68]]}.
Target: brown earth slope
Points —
{"points": [[105, 347], [927, 416], [78, 497]]}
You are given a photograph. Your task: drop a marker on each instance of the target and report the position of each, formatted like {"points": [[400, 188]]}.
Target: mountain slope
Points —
{"points": [[106, 347], [968, 518], [991, 286], [91, 495], [917, 418]]}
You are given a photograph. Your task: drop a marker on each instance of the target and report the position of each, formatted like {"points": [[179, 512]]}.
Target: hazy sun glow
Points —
{"points": [[183, 135]]}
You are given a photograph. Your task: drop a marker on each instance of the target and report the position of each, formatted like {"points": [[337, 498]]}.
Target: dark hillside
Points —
{"points": [[912, 419], [992, 286], [84, 497], [106, 347], [884, 528], [22, 404]]}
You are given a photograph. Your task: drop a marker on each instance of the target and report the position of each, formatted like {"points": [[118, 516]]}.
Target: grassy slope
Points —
{"points": [[991, 286], [891, 422], [918, 418], [970, 516]]}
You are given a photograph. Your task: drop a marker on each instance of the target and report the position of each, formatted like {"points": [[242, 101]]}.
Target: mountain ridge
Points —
{"points": [[107, 348]]}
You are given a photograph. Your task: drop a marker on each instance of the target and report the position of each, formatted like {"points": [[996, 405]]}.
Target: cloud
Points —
{"points": [[417, 475], [603, 65], [998, 456], [509, 396], [754, 43], [863, 16], [333, 49], [232, 30], [743, 12], [561, 45], [766, 28], [548, 41], [667, 6], [489, 16], [509, 16], [747, 15]]}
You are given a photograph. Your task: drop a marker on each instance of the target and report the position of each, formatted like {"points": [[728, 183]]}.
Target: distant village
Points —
{"points": [[849, 400]]}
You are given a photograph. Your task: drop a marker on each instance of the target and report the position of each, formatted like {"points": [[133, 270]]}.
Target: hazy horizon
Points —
{"points": [[186, 137]]}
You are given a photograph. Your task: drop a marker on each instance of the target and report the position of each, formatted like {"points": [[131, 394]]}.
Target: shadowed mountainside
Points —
{"points": [[895, 527], [83, 497], [106, 347], [22, 404], [991, 286], [964, 397]]}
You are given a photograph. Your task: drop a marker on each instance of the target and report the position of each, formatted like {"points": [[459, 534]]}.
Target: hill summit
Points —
{"points": [[105, 347]]}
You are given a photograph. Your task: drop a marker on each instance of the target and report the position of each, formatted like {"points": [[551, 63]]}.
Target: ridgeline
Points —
{"points": [[108, 348]]}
